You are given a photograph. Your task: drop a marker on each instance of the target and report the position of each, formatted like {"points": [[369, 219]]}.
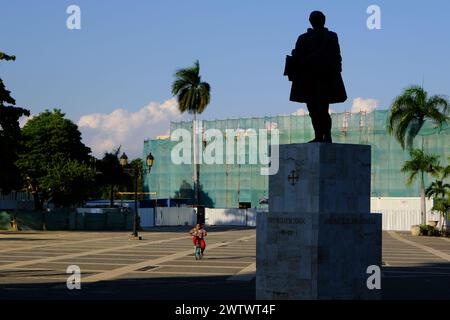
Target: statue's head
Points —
{"points": [[317, 20]]}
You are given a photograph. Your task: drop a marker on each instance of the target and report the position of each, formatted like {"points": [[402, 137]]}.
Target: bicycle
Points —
{"points": [[198, 251]]}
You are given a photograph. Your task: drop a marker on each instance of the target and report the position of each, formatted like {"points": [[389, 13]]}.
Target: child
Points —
{"points": [[199, 234]]}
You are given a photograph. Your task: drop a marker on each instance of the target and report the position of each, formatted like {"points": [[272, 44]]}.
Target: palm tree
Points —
{"points": [[421, 163], [446, 170], [437, 189], [411, 110], [442, 205], [193, 96], [440, 191]]}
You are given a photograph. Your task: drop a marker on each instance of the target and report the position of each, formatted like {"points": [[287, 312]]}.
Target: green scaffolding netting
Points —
{"points": [[227, 185]]}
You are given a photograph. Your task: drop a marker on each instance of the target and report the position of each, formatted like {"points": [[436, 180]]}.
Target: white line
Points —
{"points": [[85, 253], [246, 274], [62, 243], [133, 267], [437, 253], [152, 262]]}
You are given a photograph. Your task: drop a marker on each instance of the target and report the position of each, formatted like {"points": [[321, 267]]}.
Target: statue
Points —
{"points": [[315, 71]]}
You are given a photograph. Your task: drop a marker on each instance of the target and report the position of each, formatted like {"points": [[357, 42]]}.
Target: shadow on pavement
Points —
{"points": [[430, 281], [170, 288]]}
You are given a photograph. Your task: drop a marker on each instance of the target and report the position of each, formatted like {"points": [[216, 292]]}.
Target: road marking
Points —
{"points": [[85, 253], [133, 267], [63, 243], [246, 274], [437, 253], [152, 262]]}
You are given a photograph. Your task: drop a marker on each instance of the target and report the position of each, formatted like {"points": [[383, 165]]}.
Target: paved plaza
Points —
{"points": [[33, 265]]}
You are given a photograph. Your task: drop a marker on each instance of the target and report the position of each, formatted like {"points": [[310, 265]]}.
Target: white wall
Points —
{"points": [[231, 217], [175, 216], [399, 214], [147, 217]]}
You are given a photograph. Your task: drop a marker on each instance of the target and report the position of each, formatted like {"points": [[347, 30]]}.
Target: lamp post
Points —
{"points": [[136, 171]]}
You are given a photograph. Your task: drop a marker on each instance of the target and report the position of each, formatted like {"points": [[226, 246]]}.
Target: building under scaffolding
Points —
{"points": [[233, 185]]}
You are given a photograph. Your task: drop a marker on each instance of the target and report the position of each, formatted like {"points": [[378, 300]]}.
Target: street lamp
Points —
{"points": [[135, 170]]}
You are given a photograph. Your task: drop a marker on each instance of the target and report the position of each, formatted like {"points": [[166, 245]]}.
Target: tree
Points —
{"points": [[10, 137], [128, 183], [49, 142], [442, 205], [111, 173], [193, 96], [441, 193], [69, 182], [437, 189], [421, 163], [411, 110], [446, 170]]}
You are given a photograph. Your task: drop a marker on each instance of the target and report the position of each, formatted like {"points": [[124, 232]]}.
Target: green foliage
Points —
{"points": [[10, 136], [442, 205], [53, 143], [411, 110], [424, 229], [446, 170], [437, 189], [193, 95], [421, 162], [68, 182], [111, 174]]}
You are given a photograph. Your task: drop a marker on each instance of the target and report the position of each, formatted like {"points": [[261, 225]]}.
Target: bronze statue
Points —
{"points": [[315, 71]]}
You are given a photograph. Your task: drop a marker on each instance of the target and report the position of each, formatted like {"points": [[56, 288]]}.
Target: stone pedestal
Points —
{"points": [[319, 237]]}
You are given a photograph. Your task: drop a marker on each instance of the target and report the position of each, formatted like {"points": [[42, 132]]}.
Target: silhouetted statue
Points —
{"points": [[315, 71]]}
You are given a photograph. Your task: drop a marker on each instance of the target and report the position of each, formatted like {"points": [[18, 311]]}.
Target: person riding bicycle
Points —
{"points": [[198, 236]]}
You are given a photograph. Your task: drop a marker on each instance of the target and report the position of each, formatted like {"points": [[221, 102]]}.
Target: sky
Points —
{"points": [[113, 76]]}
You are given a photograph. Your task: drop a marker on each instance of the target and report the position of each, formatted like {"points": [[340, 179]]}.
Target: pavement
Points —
{"points": [[33, 265]]}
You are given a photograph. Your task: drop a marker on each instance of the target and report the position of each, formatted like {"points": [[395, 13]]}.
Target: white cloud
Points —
{"points": [[104, 132], [300, 112], [364, 105], [24, 119]]}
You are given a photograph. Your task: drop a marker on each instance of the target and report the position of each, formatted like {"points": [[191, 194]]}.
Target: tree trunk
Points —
{"points": [[423, 209], [196, 167], [111, 197], [37, 202]]}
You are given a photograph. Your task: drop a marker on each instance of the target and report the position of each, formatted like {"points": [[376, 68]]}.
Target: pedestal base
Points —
{"points": [[319, 239], [313, 257]]}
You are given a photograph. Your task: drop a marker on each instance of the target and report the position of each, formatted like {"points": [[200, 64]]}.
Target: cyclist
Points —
{"points": [[198, 235]]}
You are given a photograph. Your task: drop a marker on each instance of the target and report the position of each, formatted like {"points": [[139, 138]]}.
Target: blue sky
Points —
{"points": [[127, 51]]}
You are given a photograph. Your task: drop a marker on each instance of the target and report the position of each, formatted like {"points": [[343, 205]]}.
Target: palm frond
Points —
{"points": [[192, 94], [440, 103], [421, 162]]}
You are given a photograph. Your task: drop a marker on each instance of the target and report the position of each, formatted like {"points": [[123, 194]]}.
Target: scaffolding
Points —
{"points": [[228, 185]]}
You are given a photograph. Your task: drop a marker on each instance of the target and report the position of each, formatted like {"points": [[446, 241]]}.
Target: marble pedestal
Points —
{"points": [[319, 237]]}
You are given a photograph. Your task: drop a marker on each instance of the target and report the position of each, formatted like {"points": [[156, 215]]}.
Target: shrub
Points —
{"points": [[424, 229]]}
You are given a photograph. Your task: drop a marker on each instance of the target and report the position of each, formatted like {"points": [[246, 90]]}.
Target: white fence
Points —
{"points": [[147, 216], [231, 217], [398, 214], [175, 216]]}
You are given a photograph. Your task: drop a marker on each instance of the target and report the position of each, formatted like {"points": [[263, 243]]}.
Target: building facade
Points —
{"points": [[229, 185]]}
